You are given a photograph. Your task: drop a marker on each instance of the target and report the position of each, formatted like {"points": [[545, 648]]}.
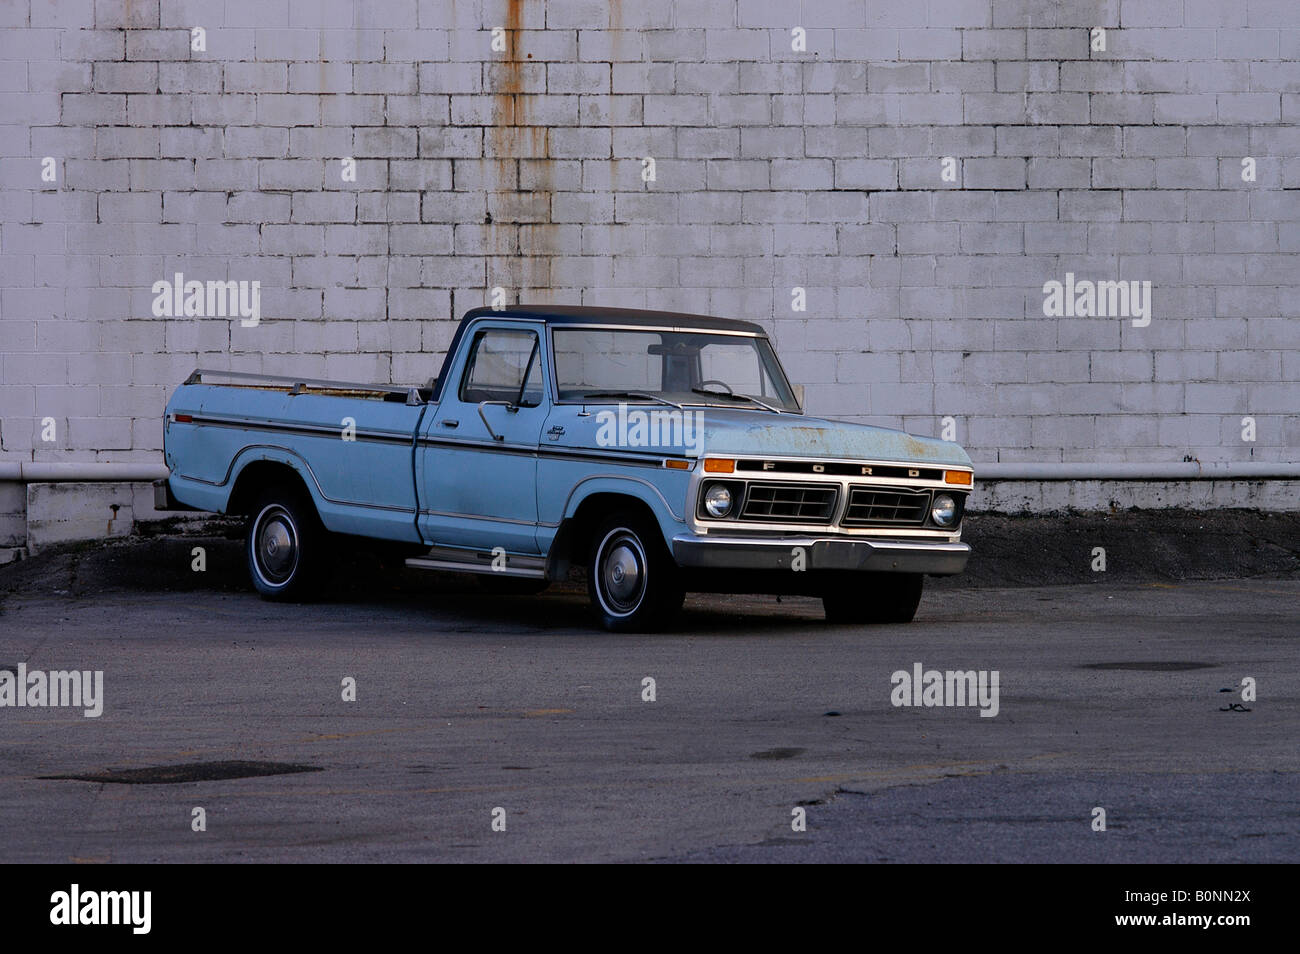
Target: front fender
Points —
{"points": [[665, 502]]}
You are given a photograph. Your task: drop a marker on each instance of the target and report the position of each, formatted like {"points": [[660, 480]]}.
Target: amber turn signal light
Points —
{"points": [[958, 477], [719, 465]]}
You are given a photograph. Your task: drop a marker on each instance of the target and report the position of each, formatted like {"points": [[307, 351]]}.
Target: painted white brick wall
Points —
{"points": [[775, 168]]}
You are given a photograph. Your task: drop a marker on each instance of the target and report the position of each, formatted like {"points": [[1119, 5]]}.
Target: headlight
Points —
{"points": [[717, 500], [944, 510]]}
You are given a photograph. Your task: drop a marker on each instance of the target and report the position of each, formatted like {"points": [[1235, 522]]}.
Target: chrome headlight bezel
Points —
{"points": [[945, 510], [718, 500]]}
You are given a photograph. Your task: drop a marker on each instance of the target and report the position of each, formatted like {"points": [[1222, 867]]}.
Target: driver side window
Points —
{"points": [[504, 365]]}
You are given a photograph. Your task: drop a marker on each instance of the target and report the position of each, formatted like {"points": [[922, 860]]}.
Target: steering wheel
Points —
{"points": [[716, 381]]}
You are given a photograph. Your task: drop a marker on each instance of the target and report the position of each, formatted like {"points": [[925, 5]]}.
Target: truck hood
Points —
{"points": [[745, 433]]}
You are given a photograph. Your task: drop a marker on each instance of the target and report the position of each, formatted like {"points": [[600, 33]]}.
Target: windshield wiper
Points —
{"points": [[737, 397], [639, 395]]}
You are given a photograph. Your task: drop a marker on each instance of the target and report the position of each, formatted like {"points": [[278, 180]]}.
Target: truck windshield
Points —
{"points": [[684, 367]]}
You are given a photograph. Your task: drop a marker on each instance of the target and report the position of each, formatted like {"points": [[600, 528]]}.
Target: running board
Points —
{"points": [[480, 561]]}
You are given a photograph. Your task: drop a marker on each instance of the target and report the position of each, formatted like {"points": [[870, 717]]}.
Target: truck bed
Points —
{"points": [[353, 444]]}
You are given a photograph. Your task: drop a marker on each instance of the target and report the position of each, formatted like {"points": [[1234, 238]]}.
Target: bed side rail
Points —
{"points": [[297, 385]]}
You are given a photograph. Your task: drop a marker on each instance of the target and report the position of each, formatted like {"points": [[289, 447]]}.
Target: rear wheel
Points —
{"points": [[632, 580], [286, 546], [873, 598]]}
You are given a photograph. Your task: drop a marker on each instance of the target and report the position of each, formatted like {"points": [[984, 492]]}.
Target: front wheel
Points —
{"points": [[632, 580], [873, 598], [286, 546]]}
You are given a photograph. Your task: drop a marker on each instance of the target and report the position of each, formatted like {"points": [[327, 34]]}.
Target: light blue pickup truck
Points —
{"points": [[663, 452]]}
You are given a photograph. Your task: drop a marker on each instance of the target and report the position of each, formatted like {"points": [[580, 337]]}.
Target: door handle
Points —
{"points": [[450, 423]]}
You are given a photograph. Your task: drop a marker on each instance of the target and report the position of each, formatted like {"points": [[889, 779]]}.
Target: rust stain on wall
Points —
{"points": [[519, 203]]}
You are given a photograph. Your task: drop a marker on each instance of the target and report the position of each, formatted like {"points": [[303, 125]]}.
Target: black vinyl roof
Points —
{"points": [[588, 315], [595, 314]]}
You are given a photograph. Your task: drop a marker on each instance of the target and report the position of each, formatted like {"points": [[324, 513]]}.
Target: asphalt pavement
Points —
{"points": [[478, 713]]}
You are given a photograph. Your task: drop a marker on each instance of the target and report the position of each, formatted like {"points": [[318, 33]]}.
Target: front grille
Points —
{"points": [[801, 503], [871, 507]]}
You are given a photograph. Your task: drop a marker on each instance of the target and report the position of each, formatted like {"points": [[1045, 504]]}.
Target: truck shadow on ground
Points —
{"points": [[213, 565], [1009, 551], [565, 609]]}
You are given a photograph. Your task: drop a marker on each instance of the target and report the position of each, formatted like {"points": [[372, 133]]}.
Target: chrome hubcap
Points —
{"points": [[276, 543], [622, 572]]}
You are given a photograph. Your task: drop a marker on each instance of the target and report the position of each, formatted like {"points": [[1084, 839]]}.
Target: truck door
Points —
{"points": [[477, 461]]}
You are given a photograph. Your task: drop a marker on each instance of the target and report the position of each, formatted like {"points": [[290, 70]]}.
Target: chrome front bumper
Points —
{"points": [[821, 553]]}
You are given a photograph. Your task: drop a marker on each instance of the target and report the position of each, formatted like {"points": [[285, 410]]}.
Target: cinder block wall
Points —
{"points": [[774, 169]]}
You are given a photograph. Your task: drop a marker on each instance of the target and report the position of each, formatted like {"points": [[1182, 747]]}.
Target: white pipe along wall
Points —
{"points": [[61, 472], [43, 503]]}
